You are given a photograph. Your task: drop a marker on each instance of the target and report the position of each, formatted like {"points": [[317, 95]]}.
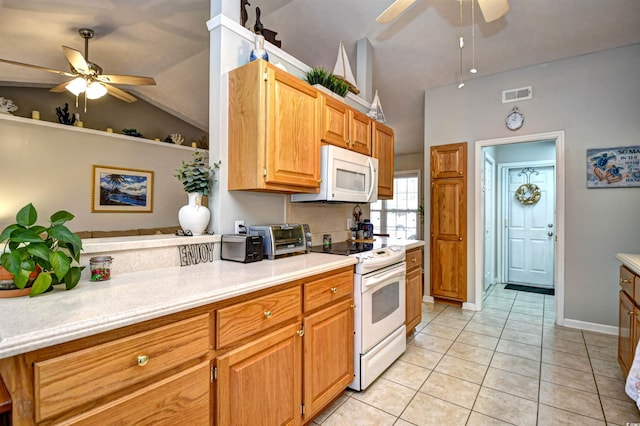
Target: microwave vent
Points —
{"points": [[517, 94]]}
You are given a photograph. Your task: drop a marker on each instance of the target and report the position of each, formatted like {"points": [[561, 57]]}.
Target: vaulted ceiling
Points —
{"points": [[168, 40]]}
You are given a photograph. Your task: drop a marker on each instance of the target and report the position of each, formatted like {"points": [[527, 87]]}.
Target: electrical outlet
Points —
{"points": [[238, 224]]}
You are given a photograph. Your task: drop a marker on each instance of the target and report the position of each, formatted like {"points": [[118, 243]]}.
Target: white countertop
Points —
{"points": [[94, 307], [631, 261]]}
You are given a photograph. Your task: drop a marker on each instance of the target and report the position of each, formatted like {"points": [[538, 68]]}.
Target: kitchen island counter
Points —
{"points": [[94, 307]]}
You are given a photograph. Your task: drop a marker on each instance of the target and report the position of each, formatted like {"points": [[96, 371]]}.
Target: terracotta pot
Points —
{"points": [[16, 292]]}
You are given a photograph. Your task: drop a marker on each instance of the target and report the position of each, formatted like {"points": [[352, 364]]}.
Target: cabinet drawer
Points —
{"points": [[79, 377], [626, 282], [414, 258], [325, 290], [180, 399], [247, 318]]}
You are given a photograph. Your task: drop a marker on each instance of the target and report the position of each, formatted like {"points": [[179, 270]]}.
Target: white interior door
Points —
{"points": [[488, 185], [531, 229]]}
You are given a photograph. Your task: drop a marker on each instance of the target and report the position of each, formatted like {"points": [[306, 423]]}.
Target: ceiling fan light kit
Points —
{"points": [[88, 77]]}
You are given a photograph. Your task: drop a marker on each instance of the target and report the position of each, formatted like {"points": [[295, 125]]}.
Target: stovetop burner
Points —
{"points": [[346, 248]]}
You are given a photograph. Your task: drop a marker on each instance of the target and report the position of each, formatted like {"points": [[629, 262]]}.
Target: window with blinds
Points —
{"points": [[400, 216]]}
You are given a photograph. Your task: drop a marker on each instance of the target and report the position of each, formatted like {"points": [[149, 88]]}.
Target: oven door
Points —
{"points": [[382, 304]]}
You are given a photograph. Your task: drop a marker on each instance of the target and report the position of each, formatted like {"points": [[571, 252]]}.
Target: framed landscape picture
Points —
{"points": [[120, 190]]}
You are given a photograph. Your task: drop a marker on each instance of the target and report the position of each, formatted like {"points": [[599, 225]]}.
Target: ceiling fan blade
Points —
{"points": [[65, 73], [120, 94], [392, 12], [127, 79], [59, 88], [76, 60], [493, 9]]}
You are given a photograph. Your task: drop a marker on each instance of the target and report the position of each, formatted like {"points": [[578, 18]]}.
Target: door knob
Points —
{"points": [[550, 234], [550, 225]]}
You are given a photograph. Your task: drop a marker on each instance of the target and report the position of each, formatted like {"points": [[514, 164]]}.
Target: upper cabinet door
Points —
{"points": [[274, 131], [360, 132], [448, 161], [345, 127], [335, 122], [383, 140], [293, 145]]}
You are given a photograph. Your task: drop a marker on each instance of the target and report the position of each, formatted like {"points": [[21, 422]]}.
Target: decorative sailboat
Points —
{"points": [[375, 111], [342, 70]]}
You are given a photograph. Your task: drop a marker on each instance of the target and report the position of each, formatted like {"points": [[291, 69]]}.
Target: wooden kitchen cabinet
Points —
{"points": [[345, 127], [274, 131], [328, 354], [414, 289], [275, 356], [288, 374], [629, 318], [383, 149], [448, 251]]}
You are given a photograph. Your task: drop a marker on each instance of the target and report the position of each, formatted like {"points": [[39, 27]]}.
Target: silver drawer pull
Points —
{"points": [[267, 314], [334, 289], [143, 360]]}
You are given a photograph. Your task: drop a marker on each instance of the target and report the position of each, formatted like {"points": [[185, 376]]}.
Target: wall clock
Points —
{"points": [[515, 119]]}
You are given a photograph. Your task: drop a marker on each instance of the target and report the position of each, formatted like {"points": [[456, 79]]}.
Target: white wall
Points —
{"points": [[51, 166], [595, 99]]}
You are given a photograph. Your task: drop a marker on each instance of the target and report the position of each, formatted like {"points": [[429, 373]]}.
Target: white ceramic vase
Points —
{"points": [[194, 216]]}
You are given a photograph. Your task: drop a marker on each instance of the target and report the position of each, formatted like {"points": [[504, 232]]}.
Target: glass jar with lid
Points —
{"points": [[100, 268]]}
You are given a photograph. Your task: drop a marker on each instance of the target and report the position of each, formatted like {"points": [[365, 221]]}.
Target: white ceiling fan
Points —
{"points": [[491, 10]]}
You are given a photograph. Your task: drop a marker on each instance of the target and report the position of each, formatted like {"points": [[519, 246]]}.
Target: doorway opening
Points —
{"points": [[535, 257]]}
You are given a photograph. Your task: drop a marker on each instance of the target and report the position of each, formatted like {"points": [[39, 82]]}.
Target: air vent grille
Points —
{"points": [[519, 94]]}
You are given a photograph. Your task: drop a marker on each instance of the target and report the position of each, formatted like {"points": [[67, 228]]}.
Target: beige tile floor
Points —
{"points": [[508, 364]]}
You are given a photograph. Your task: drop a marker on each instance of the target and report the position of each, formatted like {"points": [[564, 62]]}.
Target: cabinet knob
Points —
{"points": [[300, 332], [334, 289], [267, 314], [413, 260], [629, 312], [353, 306], [460, 173], [460, 239], [143, 360], [624, 281]]}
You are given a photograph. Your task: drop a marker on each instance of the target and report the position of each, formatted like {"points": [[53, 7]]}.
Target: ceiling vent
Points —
{"points": [[517, 94]]}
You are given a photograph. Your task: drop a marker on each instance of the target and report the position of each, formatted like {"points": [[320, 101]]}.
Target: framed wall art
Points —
{"points": [[613, 167], [120, 190]]}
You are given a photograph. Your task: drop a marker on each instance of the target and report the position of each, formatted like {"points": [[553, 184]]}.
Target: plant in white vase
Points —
{"points": [[196, 177]]}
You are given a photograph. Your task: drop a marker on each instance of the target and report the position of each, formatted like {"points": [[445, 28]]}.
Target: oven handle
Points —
{"points": [[371, 282], [373, 181]]}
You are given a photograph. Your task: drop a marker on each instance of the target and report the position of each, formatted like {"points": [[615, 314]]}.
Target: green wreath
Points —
{"points": [[528, 193]]}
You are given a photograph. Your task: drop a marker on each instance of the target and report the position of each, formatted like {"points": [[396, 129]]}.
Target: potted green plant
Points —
{"points": [[52, 252], [322, 77], [196, 177]]}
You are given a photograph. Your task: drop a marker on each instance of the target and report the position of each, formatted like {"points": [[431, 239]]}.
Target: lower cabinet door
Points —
{"points": [[179, 399], [328, 356], [414, 299], [625, 332], [260, 383]]}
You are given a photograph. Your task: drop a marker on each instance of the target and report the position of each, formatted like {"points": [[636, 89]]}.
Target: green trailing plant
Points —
{"points": [[319, 75], [196, 175], [53, 249]]}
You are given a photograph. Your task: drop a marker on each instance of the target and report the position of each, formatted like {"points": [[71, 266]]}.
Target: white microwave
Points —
{"points": [[347, 176]]}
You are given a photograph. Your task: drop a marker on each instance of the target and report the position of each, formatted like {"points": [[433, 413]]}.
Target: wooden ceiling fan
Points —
{"points": [[491, 10], [87, 76]]}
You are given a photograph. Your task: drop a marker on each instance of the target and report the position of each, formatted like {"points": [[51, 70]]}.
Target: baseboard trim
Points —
{"points": [[428, 299], [469, 306], [591, 326]]}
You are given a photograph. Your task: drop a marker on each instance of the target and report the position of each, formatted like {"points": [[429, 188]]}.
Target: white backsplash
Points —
{"points": [[325, 218]]}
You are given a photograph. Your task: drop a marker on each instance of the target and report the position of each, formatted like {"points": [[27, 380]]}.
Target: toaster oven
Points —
{"points": [[281, 240]]}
